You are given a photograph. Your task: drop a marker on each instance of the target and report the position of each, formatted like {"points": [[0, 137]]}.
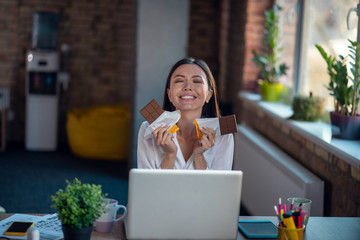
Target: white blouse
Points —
{"points": [[150, 155]]}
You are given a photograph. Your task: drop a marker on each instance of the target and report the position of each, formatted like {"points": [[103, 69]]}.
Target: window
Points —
{"points": [[288, 25], [322, 22]]}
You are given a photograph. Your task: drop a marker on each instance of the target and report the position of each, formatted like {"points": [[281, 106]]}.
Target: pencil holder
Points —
{"points": [[290, 234]]}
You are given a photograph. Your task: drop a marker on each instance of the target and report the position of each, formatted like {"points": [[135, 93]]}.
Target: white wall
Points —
{"points": [[162, 33]]}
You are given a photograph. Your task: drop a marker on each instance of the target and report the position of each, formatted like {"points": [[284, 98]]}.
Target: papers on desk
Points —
{"points": [[49, 226]]}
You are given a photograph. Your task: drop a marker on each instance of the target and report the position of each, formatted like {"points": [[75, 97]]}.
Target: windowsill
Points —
{"points": [[317, 132]]}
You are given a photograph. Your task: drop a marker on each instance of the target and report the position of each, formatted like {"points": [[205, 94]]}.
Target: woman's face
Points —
{"points": [[189, 88]]}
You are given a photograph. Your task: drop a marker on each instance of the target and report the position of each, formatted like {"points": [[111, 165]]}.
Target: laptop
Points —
{"points": [[183, 204]]}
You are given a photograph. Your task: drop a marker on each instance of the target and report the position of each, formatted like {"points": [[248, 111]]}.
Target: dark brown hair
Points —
{"points": [[210, 109]]}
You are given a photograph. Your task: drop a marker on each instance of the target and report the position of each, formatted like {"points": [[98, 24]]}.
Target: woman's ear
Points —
{"points": [[210, 93], [168, 93]]}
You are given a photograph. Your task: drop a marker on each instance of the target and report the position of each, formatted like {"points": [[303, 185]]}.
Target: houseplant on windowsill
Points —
{"points": [[77, 208], [268, 61], [345, 118], [307, 108]]}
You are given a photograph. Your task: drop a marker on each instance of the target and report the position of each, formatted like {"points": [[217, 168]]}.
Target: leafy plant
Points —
{"points": [[346, 95], [270, 69], [307, 108], [79, 205]]}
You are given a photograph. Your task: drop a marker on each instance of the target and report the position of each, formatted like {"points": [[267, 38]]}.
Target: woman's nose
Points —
{"points": [[187, 85]]}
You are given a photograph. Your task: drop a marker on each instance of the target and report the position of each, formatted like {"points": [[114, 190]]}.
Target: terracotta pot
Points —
{"points": [[345, 127], [71, 233], [270, 91]]}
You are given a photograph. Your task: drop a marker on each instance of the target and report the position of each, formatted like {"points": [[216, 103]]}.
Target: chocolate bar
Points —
{"points": [[151, 111], [228, 124]]}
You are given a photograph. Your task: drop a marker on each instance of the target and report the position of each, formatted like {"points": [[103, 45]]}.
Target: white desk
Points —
{"points": [[318, 228], [321, 228]]}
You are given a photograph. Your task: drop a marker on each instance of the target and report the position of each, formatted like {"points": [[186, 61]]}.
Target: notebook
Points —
{"points": [[258, 229], [183, 204]]}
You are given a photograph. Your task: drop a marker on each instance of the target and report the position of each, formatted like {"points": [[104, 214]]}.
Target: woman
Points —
{"points": [[190, 88]]}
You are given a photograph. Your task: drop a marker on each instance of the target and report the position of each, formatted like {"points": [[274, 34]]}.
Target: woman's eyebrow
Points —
{"points": [[197, 76], [183, 76], [179, 75]]}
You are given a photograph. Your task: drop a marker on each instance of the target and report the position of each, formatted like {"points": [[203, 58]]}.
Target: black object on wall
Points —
{"points": [[45, 27]]}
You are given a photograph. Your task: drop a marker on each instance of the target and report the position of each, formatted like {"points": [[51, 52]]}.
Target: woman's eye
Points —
{"points": [[178, 81], [198, 81]]}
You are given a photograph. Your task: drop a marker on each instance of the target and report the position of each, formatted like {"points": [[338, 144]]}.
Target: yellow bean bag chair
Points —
{"points": [[101, 132]]}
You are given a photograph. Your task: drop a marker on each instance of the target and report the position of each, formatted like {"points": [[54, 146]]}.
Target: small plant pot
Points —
{"points": [[307, 108], [71, 233], [345, 127], [270, 92]]}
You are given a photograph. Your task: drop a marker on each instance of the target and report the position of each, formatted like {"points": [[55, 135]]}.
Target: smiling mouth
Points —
{"points": [[187, 97]]}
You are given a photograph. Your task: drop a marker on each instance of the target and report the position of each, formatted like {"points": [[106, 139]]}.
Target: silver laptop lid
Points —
{"points": [[183, 204]]}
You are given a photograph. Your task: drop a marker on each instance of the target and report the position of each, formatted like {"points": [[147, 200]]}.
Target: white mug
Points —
{"points": [[107, 219]]}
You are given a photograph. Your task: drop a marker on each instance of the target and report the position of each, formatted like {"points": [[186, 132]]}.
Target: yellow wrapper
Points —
{"points": [[198, 132], [173, 129]]}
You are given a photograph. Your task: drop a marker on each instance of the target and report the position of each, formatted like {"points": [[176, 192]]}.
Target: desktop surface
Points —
{"points": [[318, 228]]}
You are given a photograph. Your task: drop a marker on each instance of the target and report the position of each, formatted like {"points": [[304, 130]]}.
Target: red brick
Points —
{"points": [[305, 156], [342, 165], [350, 208], [338, 212], [292, 147], [285, 130], [322, 153], [296, 136], [309, 145], [355, 173]]}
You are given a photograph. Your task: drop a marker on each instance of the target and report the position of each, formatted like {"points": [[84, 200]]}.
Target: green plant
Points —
{"points": [[346, 95], [307, 108], [79, 205], [270, 69]]}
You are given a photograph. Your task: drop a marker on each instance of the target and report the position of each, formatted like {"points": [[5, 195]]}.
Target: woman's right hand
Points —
{"points": [[164, 139]]}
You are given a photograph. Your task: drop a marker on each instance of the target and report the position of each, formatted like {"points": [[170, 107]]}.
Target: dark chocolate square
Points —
{"points": [[151, 111], [228, 124]]}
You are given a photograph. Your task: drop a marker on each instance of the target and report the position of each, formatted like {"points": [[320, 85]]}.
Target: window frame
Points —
{"points": [[301, 40]]}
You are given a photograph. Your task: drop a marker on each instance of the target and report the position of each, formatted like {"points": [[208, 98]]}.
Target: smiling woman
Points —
{"points": [[210, 108], [191, 90]]}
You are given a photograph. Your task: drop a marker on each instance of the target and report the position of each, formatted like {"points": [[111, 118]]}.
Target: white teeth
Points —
{"points": [[187, 97]]}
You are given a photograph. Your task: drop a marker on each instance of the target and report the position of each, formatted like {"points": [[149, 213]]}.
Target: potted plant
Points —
{"points": [[77, 207], [307, 108], [268, 61], [344, 86]]}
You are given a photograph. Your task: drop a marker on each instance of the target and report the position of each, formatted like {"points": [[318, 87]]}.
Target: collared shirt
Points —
{"points": [[150, 155]]}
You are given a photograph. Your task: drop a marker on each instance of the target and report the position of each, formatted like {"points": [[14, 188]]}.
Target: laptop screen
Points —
{"points": [[183, 204]]}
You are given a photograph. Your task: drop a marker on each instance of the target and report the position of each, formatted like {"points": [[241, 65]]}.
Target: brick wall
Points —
{"points": [[203, 42], [101, 35], [254, 35], [223, 47], [342, 181], [236, 49]]}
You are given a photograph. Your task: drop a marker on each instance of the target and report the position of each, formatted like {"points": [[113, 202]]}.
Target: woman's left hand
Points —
{"points": [[206, 141]]}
